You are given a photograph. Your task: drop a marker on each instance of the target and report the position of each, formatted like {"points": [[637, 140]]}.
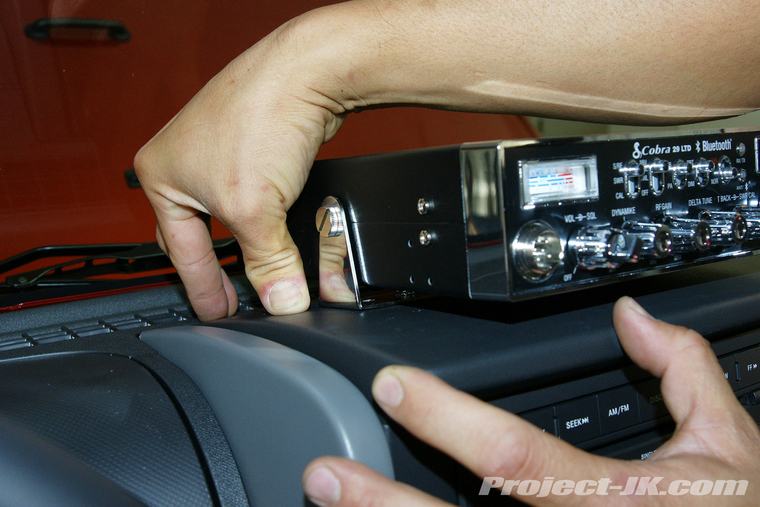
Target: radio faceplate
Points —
{"points": [[514, 220], [591, 210]]}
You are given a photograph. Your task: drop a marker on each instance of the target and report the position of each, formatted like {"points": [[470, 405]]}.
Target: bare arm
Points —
{"points": [[241, 150], [622, 61]]}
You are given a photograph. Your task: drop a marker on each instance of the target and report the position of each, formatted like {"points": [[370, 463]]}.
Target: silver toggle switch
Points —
{"points": [[631, 173], [680, 172], [703, 168], [725, 171], [657, 170]]}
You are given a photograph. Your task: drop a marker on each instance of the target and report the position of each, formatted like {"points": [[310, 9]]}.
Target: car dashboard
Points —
{"points": [[130, 397]]}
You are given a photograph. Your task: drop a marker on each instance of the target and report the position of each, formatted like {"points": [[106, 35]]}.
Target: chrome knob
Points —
{"points": [[752, 216], [728, 228], [595, 247], [537, 251], [656, 238], [689, 234]]}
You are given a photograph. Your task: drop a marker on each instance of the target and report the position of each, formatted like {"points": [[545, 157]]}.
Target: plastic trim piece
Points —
{"points": [[278, 408]]}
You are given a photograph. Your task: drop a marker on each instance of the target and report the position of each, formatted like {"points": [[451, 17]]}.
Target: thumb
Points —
{"points": [[274, 267], [693, 384]]}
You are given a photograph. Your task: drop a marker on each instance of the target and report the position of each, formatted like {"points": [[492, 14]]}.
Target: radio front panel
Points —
{"points": [[578, 213], [514, 220]]}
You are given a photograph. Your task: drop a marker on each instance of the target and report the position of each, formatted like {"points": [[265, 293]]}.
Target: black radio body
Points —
{"points": [[514, 220]]}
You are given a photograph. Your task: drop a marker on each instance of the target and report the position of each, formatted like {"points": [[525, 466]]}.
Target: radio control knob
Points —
{"points": [[748, 212], [689, 234], [602, 247], [728, 228], [537, 251], [703, 168], [679, 172], [656, 238], [752, 216]]}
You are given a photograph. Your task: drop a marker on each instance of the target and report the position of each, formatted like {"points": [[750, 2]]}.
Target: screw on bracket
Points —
{"points": [[329, 220]]}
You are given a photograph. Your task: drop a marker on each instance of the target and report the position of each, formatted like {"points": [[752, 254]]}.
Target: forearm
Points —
{"points": [[640, 62], [242, 148]]}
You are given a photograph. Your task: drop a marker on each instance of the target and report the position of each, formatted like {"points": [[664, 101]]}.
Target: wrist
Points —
{"points": [[358, 54]]}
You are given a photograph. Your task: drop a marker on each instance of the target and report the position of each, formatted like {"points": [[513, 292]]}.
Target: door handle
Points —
{"points": [[40, 29]]}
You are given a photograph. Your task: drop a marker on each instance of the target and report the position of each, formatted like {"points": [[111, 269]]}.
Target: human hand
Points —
{"points": [[715, 437], [241, 151]]}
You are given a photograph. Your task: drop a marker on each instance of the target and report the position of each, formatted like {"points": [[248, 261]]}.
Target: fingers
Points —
{"points": [[693, 383], [273, 264], [493, 443], [187, 242], [709, 419], [487, 440], [341, 482]]}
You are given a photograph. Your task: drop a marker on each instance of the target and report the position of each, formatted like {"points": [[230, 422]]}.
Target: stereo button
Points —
{"points": [[618, 409], [543, 418], [638, 448], [651, 403], [729, 370], [749, 367], [578, 420]]}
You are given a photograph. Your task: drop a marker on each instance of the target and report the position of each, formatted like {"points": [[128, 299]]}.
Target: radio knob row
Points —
{"points": [[537, 249], [679, 173]]}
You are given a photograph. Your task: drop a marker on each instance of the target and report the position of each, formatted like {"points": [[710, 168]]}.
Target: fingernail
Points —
{"points": [[284, 296], [322, 487], [387, 390], [638, 309]]}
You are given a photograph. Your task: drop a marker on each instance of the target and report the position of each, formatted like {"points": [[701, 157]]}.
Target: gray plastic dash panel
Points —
{"points": [[279, 408]]}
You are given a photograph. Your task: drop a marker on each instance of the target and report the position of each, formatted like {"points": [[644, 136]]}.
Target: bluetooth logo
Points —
{"points": [[697, 143]]}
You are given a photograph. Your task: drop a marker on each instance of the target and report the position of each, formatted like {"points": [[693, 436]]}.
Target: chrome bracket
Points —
{"points": [[340, 282]]}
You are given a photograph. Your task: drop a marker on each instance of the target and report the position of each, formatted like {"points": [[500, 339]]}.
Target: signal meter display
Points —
{"points": [[558, 181]]}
